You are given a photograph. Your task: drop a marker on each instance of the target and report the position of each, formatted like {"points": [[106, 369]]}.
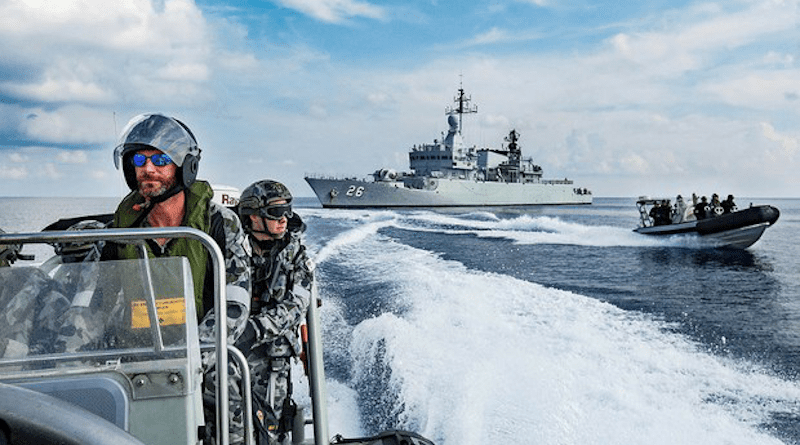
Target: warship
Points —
{"points": [[447, 173]]}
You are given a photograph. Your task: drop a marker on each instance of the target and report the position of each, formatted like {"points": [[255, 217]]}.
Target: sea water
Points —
{"points": [[544, 325]]}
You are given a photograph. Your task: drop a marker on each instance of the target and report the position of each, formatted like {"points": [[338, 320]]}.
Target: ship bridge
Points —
{"points": [[447, 157]]}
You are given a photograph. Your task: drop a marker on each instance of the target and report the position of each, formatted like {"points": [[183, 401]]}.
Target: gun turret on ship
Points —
{"points": [[447, 173]]}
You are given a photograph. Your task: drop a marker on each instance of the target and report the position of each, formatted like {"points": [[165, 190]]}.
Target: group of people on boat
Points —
{"points": [[705, 209], [269, 275], [662, 213]]}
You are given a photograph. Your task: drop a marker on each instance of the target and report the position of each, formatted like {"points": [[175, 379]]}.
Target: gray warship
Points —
{"points": [[449, 174]]}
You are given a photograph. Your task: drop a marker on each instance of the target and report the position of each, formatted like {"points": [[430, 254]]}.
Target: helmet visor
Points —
{"points": [[156, 131]]}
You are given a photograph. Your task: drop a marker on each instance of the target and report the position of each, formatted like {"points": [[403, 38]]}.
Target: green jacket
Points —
{"points": [[198, 199]]}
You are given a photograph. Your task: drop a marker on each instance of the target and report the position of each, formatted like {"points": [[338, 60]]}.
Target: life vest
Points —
{"points": [[198, 197]]}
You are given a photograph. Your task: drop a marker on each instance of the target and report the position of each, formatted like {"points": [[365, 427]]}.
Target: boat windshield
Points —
{"points": [[93, 313]]}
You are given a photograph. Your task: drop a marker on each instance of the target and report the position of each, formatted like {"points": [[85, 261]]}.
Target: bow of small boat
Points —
{"points": [[770, 214]]}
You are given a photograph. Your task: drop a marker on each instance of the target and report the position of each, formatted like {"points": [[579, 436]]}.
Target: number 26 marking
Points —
{"points": [[355, 191]]}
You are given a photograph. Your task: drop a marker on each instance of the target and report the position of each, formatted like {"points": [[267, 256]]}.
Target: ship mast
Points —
{"points": [[462, 100]]}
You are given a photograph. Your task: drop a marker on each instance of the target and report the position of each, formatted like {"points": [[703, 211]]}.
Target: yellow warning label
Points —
{"points": [[170, 311]]}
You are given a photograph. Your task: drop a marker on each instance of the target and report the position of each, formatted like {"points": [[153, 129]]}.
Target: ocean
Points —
{"points": [[544, 325]]}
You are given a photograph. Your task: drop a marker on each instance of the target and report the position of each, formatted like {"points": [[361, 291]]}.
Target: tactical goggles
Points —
{"points": [[158, 159], [277, 211]]}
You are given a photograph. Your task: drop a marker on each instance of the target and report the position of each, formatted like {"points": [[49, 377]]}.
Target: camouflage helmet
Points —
{"points": [[167, 134], [76, 251], [259, 195], [8, 253]]}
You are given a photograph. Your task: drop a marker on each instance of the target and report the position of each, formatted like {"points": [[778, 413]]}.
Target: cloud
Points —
{"points": [[59, 86], [335, 11], [634, 163], [787, 145], [496, 35], [318, 111], [72, 157], [13, 173], [767, 89], [536, 2], [99, 174], [696, 38], [69, 125], [17, 158], [92, 52], [50, 171], [183, 72], [134, 25]]}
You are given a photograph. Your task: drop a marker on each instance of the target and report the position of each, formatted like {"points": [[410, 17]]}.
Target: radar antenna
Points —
{"points": [[462, 100], [512, 139]]}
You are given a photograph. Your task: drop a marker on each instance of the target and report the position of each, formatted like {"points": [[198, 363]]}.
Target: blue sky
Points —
{"points": [[624, 97]]}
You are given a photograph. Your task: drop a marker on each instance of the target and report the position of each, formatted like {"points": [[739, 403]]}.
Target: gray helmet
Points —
{"points": [[8, 253], [156, 131], [258, 195]]}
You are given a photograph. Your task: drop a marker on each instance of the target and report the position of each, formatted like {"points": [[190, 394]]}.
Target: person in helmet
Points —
{"points": [[728, 206], [282, 278], [701, 209], [715, 206], [159, 157]]}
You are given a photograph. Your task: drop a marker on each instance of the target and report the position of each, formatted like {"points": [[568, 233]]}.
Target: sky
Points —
{"points": [[626, 98]]}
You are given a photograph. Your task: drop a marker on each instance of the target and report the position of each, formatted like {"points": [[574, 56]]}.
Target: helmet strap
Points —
{"points": [[273, 237], [174, 190], [148, 205]]}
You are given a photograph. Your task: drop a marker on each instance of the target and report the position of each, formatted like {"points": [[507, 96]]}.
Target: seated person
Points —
{"points": [[701, 210], [661, 213], [728, 206], [715, 206]]}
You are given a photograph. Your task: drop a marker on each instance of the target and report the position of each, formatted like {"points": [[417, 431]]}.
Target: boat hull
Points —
{"points": [[738, 230], [355, 193]]}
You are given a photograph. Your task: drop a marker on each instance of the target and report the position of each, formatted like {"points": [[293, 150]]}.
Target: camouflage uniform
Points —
{"points": [[52, 315], [282, 280], [27, 293], [237, 273], [282, 276]]}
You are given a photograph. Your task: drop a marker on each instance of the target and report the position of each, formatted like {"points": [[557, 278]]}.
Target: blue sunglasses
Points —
{"points": [[159, 159]]}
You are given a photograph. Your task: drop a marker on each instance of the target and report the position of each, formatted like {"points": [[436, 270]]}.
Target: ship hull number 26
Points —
{"points": [[354, 191]]}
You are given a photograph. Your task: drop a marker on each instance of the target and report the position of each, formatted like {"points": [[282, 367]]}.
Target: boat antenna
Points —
{"points": [[462, 100]]}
